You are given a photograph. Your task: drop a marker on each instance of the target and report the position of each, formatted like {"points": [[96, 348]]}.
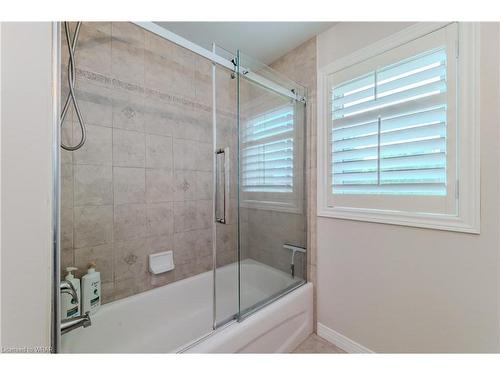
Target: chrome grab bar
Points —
{"points": [[294, 249], [221, 185]]}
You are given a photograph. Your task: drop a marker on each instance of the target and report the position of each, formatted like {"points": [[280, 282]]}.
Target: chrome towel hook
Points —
{"points": [[71, 42]]}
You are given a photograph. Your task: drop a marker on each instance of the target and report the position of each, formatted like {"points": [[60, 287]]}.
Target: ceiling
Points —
{"points": [[263, 41]]}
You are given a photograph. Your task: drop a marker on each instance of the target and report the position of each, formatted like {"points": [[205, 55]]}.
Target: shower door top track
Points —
{"points": [[180, 41]]}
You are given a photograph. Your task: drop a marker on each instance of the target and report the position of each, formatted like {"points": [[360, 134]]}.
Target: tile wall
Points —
{"points": [[142, 183]]}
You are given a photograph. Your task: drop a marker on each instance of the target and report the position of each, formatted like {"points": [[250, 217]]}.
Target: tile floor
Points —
{"points": [[315, 344]]}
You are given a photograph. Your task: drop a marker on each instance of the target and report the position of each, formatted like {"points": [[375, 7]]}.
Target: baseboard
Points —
{"points": [[339, 340]]}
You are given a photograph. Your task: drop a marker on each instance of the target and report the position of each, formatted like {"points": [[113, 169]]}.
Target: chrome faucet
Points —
{"points": [[70, 324], [68, 288]]}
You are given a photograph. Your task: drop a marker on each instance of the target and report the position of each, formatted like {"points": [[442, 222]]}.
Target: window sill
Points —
{"points": [[419, 220]]}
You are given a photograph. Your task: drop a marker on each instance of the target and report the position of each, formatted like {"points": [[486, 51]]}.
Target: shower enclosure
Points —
{"points": [[195, 151]]}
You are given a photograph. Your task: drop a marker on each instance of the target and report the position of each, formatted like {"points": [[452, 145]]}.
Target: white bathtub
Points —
{"points": [[174, 317]]}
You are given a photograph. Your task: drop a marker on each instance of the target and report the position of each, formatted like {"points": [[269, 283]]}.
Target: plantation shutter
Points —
{"points": [[388, 133], [267, 152]]}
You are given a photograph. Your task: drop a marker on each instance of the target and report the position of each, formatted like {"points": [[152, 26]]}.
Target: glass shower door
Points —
{"points": [[226, 192], [272, 230], [259, 203]]}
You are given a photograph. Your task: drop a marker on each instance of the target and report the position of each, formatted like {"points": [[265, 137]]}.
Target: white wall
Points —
{"points": [[400, 289], [26, 121]]}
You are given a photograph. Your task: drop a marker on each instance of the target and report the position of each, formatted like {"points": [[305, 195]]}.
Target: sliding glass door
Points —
{"points": [[226, 191], [272, 230]]}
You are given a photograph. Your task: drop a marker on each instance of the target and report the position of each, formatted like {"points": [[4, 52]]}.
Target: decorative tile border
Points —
{"points": [[114, 83]]}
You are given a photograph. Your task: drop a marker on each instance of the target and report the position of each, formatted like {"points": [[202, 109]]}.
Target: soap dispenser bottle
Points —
{"points": [[69, 308], [91, 287]]}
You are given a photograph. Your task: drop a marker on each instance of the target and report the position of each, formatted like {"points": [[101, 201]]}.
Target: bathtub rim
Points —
{"points": [[248, 313], [224, 323]]}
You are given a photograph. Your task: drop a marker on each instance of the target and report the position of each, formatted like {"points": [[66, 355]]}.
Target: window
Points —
{"points": [[389, 129], [267, 152], [392, 151], [271, 157]]}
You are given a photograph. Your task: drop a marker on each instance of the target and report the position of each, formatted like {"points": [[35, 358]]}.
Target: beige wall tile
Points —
{"points": [[193, 185], [226, 90], [158, 244], [204, 264], [159, 185], [107, 291], [169, 68], [128, 110], [226, 238], [158, 151], [129, 221], [102, 255], [95, 103], [129, 185], [127, 62], [94, 47], [204, 185], [191, 215], [203, 80], [130, 259], [93, 185], [67, 228], [192, 155], [66, 186], [193, 123], [159, 46], [185, 185], [127, 32], [67, 260], [160, 219], [225, 258], [127, 53], [128, 287], [97, 148], [195, 267], [67, 139], [93, 225], [159, 116], [129, 149], [190, 245], [162, 279]]}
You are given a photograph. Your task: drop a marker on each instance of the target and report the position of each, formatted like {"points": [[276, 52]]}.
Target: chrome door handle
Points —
{"points": [[221, 184]]}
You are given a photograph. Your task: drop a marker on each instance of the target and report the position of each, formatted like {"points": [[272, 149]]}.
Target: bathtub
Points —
{"points": [[178, 317]]}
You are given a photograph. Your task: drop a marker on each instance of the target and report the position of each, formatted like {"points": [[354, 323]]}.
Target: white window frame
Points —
{"points": [[291, 202], [466, 217]]}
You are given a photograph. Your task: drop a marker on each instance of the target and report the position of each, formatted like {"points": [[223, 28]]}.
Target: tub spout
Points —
{"points": [[70, 324]]}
